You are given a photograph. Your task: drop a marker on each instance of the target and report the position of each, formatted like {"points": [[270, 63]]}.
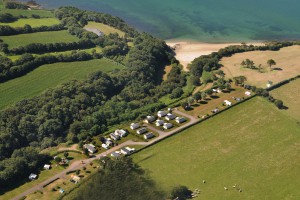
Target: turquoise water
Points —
{"points": [[202, 20]]}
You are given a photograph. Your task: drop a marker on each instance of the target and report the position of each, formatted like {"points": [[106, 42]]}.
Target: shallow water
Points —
{"points": [[202, 20]]}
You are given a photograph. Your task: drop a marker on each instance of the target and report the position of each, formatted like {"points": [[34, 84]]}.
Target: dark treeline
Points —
{"points": [[211, 62], [119, 179], [73, 17], [8, 30], [7, 18], [39, 48], [26, 63], [78, 110], [15, 5]]}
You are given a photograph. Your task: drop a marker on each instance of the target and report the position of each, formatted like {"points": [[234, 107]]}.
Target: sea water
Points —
{"points": [[202, 20]]}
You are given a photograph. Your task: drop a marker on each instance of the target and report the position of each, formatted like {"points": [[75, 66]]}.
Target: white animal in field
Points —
{"points": [[225, 188]]}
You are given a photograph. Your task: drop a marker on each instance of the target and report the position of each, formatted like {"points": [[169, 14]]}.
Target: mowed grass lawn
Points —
{"points": [[252, 145], [33, 22], [290, 95], [49, 76], [40, 37], [287, 60], [104, 28]]}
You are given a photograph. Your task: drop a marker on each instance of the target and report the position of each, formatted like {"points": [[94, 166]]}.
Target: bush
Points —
{"points": [[180, 193], [279, 104]]}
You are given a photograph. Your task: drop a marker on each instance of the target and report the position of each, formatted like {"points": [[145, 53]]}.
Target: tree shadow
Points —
{"points": [[277, 69], [214, 96], [203, 102], [196, 105]]}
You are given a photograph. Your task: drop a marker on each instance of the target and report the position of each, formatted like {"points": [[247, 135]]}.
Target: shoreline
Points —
{"points": [[187, 50]]}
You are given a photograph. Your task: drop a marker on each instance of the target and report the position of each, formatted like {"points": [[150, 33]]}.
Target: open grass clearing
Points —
{"points": [[40, 37], [49, 76], [252, 145], [290, 95], [104, 28], [26, 13], [33, 22], [286, 59]]}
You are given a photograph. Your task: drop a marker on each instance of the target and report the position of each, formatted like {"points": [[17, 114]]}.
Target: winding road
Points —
{"points": [[78, 164]]}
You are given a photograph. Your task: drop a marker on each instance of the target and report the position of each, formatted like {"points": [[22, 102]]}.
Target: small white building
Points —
{"points": [[148, 136], [180, 120], [247, 93], [32, 176], [227, 103], [134, 126], [125, 151], [141, 131], [105, 146], [90, 147], [159, 122], [161, 113], [149, 119], [114, 136], [170, 116], [121, 133], [115, 154], [168, 125], [47, 167]]}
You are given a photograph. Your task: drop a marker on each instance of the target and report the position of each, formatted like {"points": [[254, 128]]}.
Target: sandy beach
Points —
{"points": [[187, 51]]}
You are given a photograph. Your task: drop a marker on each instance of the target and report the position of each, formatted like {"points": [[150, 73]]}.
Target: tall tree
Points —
{"points": [[271, 62]]}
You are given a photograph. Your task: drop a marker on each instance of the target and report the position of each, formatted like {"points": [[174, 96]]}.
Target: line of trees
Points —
{"points": [[6, 30], [39, 48]]}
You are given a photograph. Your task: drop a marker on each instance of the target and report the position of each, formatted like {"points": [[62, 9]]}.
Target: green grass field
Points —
{"points": [[49, 76], [40, 37], [33, 22], [104, 28], [290, 95], [252, 145]]}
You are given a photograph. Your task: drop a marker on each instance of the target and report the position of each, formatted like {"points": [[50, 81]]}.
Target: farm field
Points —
{"points": [[290, 95], [40, 37], [33, 22], [286, 59], [104, 28], [252, 145], [49, 76]]}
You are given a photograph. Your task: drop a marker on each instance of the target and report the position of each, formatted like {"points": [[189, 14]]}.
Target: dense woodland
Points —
{"points": [[119, 179], [78, 110]]}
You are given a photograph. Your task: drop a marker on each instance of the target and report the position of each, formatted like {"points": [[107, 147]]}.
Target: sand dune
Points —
{"points": [[188, 51]]}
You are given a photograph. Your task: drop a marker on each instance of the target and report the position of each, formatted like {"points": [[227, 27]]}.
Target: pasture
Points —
{"points": [[33, 22], [40, 37], [104, 28], [49, 76], [286, 59], [252, 145], [290, 95]]}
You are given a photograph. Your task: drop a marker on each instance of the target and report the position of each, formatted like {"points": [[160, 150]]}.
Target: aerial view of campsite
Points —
{"points": [[149, 100]]}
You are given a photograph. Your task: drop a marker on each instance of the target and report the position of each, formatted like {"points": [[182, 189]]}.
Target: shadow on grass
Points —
{"points": [[214, 97], [203, 102], [148, 157]]}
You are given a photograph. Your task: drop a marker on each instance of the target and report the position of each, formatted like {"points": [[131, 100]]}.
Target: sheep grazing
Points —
{"points": [[204, 181], [240, 190], [225, 188]]}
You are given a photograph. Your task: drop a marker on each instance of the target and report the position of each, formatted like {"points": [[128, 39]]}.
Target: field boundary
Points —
{"points": [[278, 85]]}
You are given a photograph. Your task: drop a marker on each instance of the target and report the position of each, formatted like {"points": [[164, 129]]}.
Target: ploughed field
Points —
{"points": [[49, 76], [253, 145], [287, 60]]}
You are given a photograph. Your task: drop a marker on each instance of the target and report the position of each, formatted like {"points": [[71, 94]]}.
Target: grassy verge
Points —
{"points": [[49, 76]]}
